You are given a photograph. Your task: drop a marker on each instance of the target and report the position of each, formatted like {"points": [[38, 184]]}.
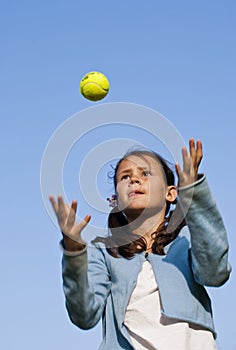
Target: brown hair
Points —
{"points": [[122, 242]]}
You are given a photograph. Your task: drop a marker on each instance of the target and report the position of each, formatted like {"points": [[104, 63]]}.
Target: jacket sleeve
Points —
{"points": [[86, 285], [209, 244]]}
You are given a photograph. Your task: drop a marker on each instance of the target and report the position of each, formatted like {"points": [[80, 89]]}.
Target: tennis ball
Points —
{"points": [[94, 86]]}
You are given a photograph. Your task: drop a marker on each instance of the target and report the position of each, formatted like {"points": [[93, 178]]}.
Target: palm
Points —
{"points": [[191, 162], [66, 217]]}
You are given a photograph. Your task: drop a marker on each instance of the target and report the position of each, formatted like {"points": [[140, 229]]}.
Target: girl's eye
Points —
{"points": [[125, 177], [146, 173]]}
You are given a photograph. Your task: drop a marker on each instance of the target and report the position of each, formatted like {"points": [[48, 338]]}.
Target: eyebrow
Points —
{"points": [[129, 169]]}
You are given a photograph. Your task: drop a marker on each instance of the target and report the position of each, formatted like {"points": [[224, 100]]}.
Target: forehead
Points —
{"points": [[142, 161]]}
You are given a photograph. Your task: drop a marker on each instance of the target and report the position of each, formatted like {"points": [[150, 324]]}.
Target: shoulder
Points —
{"points": [[98, 250], [182, 240], [184, 232]]}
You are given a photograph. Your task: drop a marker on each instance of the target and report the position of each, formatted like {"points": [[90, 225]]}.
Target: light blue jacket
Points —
{"points": [[97, 285]]}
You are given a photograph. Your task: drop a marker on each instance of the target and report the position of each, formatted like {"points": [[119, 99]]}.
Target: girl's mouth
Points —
{"points": [[135, 193]]}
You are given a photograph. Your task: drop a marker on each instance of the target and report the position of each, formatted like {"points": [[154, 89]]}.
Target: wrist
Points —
{"points": [[72, 246]]}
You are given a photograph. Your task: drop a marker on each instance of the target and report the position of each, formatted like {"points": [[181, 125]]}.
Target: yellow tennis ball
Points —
{"points": [[94, 86]]}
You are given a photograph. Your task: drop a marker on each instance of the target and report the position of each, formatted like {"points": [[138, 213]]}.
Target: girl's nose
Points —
{"points": [[135, 179]]}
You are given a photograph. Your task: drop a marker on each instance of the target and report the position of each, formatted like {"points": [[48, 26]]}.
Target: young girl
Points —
{"points": [[146, 279]]}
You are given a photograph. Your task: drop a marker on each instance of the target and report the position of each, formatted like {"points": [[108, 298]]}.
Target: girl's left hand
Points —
{"points": [[191, 162]]}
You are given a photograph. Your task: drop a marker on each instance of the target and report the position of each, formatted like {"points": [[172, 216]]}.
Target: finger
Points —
{"points": [[84, 223], [186, 160], [87, 218], [177, 169], [62, 214], [61, 204], [54, 203], [74, 206], [199, 151], [180, 174], [192, 149], [72, 215]]}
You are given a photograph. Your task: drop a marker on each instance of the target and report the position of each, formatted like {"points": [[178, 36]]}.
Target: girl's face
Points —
{"points": [[141, 185]]}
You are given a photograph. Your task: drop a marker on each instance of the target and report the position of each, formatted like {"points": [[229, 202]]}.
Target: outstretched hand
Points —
{"points": [[66, 217], [191, 162]]}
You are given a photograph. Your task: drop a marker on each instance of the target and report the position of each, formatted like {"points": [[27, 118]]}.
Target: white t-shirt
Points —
{"points": [[150, 330]]}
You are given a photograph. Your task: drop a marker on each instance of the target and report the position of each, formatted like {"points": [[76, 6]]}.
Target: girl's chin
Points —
{"points": [[133, 212], [133, 207], [137, 203]]}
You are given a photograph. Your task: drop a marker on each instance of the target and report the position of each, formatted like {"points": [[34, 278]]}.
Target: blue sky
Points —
{"points": [[175, 57]]}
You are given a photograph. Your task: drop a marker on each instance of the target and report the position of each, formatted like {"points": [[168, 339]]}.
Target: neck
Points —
{"points": [[146, 226]]}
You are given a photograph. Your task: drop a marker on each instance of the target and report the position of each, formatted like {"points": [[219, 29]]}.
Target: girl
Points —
{"points": [[146, 279]]}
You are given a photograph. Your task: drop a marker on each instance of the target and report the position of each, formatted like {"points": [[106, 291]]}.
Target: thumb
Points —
{"points": [[83, 223], [87, 218], [75, 234]]}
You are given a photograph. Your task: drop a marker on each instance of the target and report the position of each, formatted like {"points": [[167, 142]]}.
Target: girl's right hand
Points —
{"points": [[66, 217]]}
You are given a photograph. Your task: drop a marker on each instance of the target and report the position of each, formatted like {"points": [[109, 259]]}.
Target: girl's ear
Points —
{"points": [[171, 194]]}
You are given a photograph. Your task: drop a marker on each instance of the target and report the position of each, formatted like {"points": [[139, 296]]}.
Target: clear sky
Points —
{"points": [[175, 57]]}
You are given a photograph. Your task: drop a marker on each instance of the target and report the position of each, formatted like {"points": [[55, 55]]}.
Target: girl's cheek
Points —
{"points": [[119, 188]]}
